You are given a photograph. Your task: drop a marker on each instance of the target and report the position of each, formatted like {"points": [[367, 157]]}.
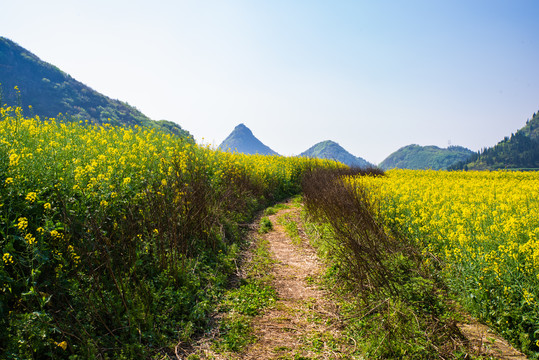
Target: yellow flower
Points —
{"points": [[9, 180], [23, 223], [62, 344], [74, 256], [8, 259], [56, 235], [47, 206], [528, 297], [13, 159], [30, 239], [31, 197], [127, 180]]}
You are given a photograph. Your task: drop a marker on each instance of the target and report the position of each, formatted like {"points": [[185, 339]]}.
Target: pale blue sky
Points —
{"points": [[371, 75]]}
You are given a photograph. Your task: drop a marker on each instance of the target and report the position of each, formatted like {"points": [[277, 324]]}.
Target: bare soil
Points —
{"points": [[304, 323], [483, 341]]}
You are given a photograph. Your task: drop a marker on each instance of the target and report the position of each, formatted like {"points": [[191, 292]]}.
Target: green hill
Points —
{"points": [[331, 150], [50, 92], [242, 140], [425, 157], [520, 151]]}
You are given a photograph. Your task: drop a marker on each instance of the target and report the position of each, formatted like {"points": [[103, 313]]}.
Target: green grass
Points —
{"points": [[272, 210], [241, 305], [265, 225], [291, 228]]}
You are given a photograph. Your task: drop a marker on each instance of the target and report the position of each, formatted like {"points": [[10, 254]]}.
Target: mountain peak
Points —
{"points": [[331, 150], [242, 129], [242, 140]]}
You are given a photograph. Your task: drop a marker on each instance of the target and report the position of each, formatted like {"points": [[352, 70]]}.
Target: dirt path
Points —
{"points": [[484, 341], [304, 322]]}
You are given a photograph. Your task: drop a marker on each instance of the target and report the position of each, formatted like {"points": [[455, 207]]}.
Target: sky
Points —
{"points": [[371, 75]]}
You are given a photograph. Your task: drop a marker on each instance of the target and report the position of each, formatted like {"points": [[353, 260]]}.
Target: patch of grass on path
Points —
{"points": [[265, 225], [291, 227], [272, 210]]}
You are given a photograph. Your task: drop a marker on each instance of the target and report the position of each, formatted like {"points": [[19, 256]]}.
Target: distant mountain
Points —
{"points": [[242, 140], [331, 150], [520, 151], [425, 157], [50, 92]]}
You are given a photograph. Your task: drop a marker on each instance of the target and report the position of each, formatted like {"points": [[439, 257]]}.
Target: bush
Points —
{"points": [[393, 308], [116, 241]]}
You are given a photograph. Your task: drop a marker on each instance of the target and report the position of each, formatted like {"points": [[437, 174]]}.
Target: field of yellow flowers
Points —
{"points": [[481, 229], [117, 241]]}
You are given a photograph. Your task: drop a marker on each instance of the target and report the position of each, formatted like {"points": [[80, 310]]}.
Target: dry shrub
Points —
{"points": [[365, 246]]}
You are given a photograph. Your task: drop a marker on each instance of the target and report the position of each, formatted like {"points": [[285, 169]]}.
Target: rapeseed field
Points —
{"points": [[116, 242], [481, 229]]}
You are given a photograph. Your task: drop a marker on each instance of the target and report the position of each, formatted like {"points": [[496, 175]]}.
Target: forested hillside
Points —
{"points": [[519, 151], [26, 81], [417, 157]]}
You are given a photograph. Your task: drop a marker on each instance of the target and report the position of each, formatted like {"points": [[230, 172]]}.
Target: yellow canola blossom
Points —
{"points": [[22, 223], [7, 258], [31, 197], [30, 239], [484, 226], [105, 167]]}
